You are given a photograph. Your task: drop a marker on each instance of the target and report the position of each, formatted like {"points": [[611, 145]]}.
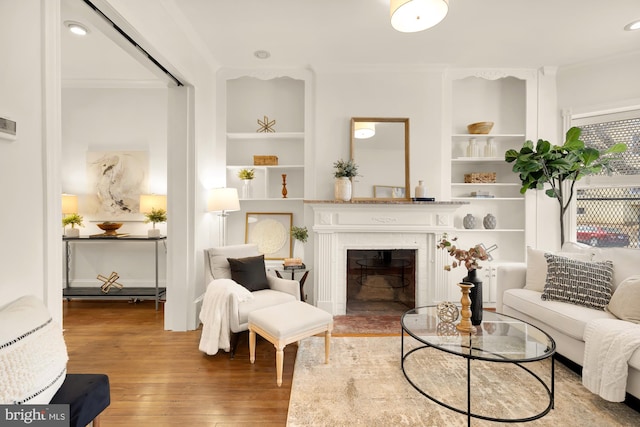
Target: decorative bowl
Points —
{"points": [[480, 128], [110, 228]]}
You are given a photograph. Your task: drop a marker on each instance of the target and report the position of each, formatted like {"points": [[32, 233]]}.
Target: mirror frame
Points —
{"points": [[407, 156]]}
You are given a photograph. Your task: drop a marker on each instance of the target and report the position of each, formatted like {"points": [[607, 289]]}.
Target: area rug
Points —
{"points": [[363, 385]]}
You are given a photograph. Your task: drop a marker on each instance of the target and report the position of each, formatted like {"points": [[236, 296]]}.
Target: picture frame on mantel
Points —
{"points": [[388, 192], [271, 231]]}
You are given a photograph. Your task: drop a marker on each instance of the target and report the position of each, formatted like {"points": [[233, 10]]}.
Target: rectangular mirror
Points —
{"points": [[380, 148]]}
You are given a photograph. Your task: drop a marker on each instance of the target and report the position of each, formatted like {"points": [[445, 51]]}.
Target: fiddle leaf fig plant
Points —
{"points": [[560, 166]]}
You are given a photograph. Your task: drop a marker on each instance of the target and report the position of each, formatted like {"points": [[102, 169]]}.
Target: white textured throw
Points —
{"points": [[215, 314], [609, 343], [33, 355]]}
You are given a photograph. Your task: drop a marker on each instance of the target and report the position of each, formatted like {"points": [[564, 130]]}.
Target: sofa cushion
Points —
{"points": [[537, 266], [218, 258], [625, 301], [250, 272], [567, 318], [33, 354], [262, 299], [626, 262], [578, 282]]}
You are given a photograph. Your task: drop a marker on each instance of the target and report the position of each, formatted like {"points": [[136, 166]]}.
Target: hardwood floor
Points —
{"points": [[160, 378]]}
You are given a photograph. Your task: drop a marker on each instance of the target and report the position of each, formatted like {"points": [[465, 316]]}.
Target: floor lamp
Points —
{"points": [[223, 200]]}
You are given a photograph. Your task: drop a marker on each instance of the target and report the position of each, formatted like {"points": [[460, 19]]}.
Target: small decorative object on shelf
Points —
{"points": [[109, 228], [480, 128], [155, 216], [489, 222], [469, 221], [265, 160], [73, 220], [447, 311], [344, 171], [472, 148], [490, 149], [247, 175], [481, 194], [293, 264], [266, 125], [284, 186], [421, 190], [480, 177], [299, 236], [109, 282]]}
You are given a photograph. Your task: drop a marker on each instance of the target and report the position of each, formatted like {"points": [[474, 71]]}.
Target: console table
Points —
{"points": [[125, 293]]}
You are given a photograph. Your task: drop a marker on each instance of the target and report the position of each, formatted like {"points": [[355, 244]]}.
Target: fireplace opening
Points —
{"points": [[380, 282]]}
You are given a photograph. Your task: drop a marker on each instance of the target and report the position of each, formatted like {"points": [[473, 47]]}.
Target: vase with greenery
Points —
{"points": [[300, 235], [155, 216], [247, 175], [344, 171], [558, 167], [72, 220], [469, 259]]}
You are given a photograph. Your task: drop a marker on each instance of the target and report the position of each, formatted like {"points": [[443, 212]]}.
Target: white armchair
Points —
{"points": [[217, 267]]}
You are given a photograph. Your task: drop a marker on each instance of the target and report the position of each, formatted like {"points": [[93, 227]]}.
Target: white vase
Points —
{"points": [[298, 249], [71, 232], [342, 189], [421, 191], [153, 232], [247, 189]]}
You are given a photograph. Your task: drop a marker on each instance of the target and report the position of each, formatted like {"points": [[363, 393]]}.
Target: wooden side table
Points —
{"points": [[305, 273]]}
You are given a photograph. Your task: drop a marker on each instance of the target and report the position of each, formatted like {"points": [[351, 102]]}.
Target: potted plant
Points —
{"points": [[469, 258], [300, 235], [73, 220], [155, 216], [344, 171], [246, 175], [559, 167]]}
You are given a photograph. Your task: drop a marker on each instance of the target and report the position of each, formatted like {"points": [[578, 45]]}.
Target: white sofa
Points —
{"points": [[520, 295]]}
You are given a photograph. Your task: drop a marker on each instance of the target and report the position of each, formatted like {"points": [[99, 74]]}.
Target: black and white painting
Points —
{"points": [[116, 180]]}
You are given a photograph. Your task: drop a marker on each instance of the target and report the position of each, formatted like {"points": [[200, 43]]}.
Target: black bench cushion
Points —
{"points": [[87, 396]]}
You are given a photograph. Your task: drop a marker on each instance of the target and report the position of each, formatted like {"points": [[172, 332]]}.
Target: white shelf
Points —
{"points": [[488, 199], [478, 160], [487, 135], [265, 135], [485, 230], [273, 199], [488, 184], [264, 167]]}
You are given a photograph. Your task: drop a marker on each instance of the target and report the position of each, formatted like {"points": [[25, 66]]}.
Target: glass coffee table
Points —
{"points": [[499, 341]]}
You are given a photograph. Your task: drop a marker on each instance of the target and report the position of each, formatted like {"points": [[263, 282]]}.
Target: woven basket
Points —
{"points": [[480, 128], [479, 177], [265, 160]]}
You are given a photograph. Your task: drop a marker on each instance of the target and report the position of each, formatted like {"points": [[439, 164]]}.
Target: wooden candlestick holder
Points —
{"points": [[284, 186], [465, 325]]}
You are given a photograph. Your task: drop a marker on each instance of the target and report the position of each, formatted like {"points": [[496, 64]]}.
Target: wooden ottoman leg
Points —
{"points": [[279, 363], [327, 345], [252, 345]]}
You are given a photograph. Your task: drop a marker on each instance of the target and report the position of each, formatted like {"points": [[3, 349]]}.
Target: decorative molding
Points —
{"points": [[113, 84]]}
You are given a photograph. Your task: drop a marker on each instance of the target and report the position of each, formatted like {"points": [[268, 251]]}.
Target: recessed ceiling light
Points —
{"points": [[261, 54], [76, 28], [635, 25]]}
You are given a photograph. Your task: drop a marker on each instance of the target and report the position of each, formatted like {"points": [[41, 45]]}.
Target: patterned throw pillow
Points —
{"points": [[578, 282]]}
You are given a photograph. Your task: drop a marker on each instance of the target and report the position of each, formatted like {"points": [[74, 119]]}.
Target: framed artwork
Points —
{"points": [[388, 192], [116, 179], [271, 232]]}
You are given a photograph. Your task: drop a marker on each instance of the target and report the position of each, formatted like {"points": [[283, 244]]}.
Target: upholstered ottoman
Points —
{"points": [[286, 323]]}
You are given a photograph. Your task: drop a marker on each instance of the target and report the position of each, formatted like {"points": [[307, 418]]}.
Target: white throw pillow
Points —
{"points": [[625, 302], [537, 266]]}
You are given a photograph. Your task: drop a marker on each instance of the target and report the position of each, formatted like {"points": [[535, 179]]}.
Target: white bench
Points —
{"points": [[286, 323]]}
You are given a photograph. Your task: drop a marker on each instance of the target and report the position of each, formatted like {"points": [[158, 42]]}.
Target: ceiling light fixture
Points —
{"points": [[76, 28], [410, 16], [635, 25], [364, 130], [261, 54]]}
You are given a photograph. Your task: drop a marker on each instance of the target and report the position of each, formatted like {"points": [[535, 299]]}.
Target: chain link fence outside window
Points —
{"points": [[609, 216]]}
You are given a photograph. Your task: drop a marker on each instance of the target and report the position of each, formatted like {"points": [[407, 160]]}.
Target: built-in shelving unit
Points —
{"points": [[507, 99]]}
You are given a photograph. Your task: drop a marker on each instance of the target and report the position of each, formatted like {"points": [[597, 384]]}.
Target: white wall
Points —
{"points": [[113, 119], [22, 219]]}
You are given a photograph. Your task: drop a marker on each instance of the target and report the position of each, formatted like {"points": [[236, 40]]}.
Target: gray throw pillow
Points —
{"points": [[578, 282], [249, 272]]}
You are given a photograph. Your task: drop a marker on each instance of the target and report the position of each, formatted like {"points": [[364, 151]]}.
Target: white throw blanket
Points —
{"points": [[609, 343], [215, 314]]}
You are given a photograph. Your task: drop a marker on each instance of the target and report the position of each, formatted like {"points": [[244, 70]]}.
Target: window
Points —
{"points": [[608, 207]]}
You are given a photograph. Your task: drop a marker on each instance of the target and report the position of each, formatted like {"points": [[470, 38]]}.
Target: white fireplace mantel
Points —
{"points": [[340, 226]]}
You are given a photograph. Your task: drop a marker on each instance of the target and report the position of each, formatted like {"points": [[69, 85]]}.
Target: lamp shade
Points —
{"points": [[152, 201], [364, 130], [69, 204], [410, 16], [223, 199]]}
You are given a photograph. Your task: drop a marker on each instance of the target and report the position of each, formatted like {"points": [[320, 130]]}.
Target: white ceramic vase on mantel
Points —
{"points": [[342, 189]]}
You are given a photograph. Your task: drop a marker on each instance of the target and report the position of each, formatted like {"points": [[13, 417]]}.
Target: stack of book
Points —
{"points": [[293, 264], [481, 194]]}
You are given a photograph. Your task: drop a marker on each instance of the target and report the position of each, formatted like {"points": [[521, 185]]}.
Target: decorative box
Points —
{"points": [[265, 160], [479, 177]]}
